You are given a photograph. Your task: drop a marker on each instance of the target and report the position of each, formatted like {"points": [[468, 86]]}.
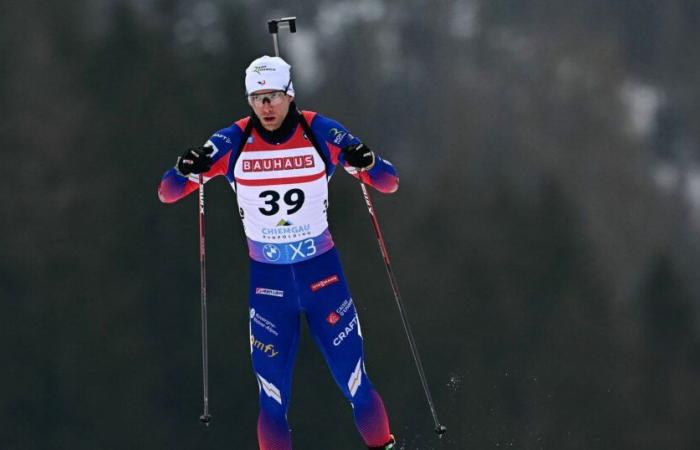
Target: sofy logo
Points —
{"points": [[267, 349]]}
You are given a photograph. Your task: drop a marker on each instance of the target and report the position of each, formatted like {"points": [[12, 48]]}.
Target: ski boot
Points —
{"points": [[388, 446]]}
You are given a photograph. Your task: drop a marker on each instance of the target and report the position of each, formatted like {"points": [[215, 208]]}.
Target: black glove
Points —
{"points": [[195, 160], [358, 156]]}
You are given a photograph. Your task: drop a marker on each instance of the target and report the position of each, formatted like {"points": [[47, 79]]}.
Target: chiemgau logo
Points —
{"points": [[271, 252]]}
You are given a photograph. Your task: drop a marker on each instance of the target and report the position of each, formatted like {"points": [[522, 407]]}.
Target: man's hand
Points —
{"points": [[358, 156], [195, 160]]}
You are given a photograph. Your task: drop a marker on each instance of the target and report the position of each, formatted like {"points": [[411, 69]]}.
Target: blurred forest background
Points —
{"points": [[545, 235]]}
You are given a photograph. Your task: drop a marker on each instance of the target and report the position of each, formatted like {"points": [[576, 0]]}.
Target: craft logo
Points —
{"points": [[333, 318], [346, 332], [270, 292], [267, 349], [325, 282], [282, 163], [223, 137], [262, 83]]}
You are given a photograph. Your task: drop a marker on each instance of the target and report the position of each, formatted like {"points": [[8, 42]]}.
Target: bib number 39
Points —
{"points": [[293, 198]]}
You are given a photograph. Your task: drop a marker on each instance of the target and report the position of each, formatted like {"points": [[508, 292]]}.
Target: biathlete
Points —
{"points": [[279, 161]]}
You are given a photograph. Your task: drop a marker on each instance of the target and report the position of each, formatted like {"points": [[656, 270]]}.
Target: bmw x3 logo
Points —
{"points": [[271, 252]]}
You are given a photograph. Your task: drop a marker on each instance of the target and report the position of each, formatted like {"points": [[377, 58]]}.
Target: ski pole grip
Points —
{"points": [[273, 25]]}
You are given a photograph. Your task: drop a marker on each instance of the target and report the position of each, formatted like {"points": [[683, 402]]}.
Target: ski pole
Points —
{"points": [[439, 429], [205, 418]]}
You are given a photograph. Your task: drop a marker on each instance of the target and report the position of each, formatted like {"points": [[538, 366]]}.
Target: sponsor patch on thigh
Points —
{"points": [[262, 322], [270, 292], [325, 282]]}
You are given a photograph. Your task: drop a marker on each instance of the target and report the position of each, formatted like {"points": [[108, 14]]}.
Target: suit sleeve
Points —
{"points": [[382, 176], [174, 185]]}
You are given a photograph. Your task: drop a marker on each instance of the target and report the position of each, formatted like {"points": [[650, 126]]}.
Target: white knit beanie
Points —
{"points": [[269, 72]]}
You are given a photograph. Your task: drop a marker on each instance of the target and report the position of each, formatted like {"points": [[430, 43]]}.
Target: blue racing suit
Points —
{"points": [[282, 193]]}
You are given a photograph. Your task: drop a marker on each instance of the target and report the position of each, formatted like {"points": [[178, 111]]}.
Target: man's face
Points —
{"points": [[270, 106]]}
